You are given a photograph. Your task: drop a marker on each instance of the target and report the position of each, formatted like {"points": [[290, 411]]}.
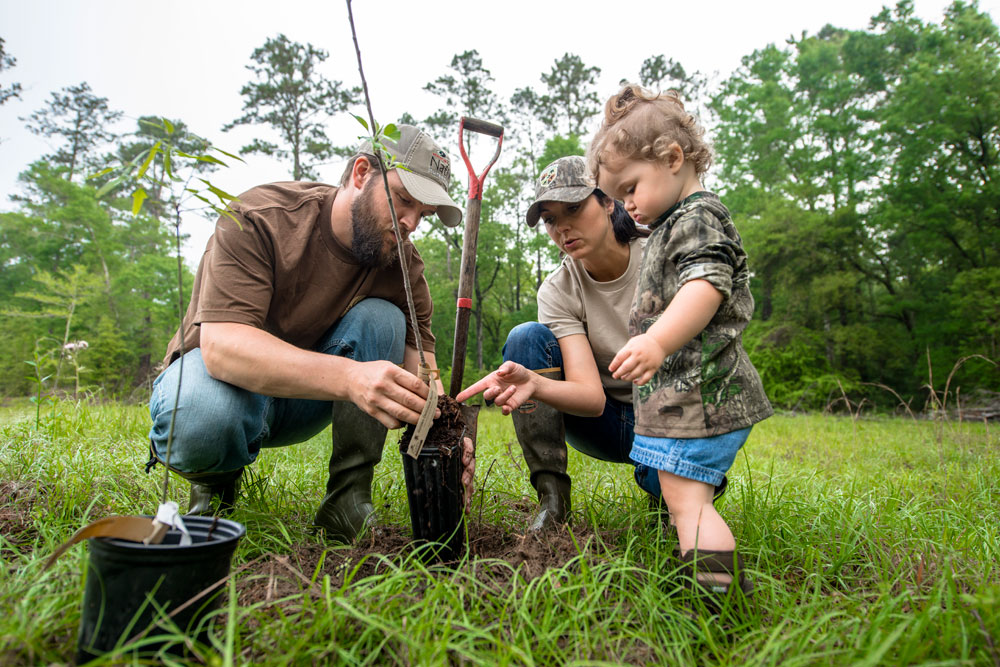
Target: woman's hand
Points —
{"points": [[510, 386], [638, 360]]}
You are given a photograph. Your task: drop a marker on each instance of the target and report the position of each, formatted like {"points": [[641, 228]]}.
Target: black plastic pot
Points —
{"points": [[130, 584], [434, 492]]}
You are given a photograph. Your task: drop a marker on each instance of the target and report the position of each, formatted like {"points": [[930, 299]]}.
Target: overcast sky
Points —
{"points": [[186, 60]]}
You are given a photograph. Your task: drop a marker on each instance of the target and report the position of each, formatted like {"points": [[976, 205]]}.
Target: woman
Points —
{"points": [[555, 380]]}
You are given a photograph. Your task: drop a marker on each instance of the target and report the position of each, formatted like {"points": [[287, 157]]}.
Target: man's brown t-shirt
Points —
{"points": [[282, 270]]}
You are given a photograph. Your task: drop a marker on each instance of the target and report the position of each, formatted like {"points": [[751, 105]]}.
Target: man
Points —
{"points": [[299, 305]]}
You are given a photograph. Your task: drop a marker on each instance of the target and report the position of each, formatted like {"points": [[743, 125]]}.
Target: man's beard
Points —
{"points": [[368, 244]]}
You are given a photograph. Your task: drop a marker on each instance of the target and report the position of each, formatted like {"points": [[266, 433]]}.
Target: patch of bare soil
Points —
{"points": [[273, 577], [15, 514]]}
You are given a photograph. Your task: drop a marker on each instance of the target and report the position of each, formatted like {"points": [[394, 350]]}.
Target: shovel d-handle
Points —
{"points": [[467, 275], [480, 127]]}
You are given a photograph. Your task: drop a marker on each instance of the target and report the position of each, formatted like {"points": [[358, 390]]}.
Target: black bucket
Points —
{"points": [[434, 491], [129, 583]]}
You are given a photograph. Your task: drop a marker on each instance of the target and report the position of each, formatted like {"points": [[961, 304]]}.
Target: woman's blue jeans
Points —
{"points": [[608, 437], [220, 427]]}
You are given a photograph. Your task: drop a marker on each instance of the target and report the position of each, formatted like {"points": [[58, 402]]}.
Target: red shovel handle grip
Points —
{"points": [[481, 127]]}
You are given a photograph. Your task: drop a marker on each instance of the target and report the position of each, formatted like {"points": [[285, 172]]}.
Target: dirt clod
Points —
{"points": [[445, 433]]}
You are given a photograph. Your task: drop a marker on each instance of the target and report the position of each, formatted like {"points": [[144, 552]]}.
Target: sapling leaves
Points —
{"points": [[228, 154], [156, 168], [149, 159], [138, 197], [110, 185]]}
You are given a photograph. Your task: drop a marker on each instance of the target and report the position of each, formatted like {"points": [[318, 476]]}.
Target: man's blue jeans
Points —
{"points": [[608, 437], [220, 427]]}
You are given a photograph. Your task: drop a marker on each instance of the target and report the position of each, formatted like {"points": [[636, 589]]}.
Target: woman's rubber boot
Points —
{"points": [[542, 436], [205, 487], [358, 438]]}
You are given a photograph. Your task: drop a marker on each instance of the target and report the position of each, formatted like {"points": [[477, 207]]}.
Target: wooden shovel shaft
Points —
{"points": [[466, 279], [473, 210]]}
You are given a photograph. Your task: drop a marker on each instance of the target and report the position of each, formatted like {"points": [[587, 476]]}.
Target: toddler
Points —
{"points": [[696, 394]]}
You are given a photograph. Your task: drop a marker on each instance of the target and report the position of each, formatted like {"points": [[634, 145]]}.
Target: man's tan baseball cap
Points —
{"points": [[429, 170], [565, 180]]}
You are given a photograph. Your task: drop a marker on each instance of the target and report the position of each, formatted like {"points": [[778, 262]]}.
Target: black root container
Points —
{"points": [[127, 582], [434, 484]]}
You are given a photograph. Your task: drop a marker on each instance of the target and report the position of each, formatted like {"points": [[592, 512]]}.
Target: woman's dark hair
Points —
{"points": [[622, 223]]}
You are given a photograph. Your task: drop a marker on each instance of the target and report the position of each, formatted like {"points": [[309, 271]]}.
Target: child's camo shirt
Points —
{"points": [[708, 387]]}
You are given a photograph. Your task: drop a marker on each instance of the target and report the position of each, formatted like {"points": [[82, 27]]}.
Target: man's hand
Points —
{"points": [[469, 472], [388, 393], [509, 386], [638, 360]]}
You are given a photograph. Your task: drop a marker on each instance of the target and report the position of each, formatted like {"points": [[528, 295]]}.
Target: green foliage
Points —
{"points": [[293, 98], [465, 88], [559, 146], [40, 363], [113, 360], [792, 365], [155, 146], [78, 267], [571, 93], [502, 265], [164, 165], [8, 61], [660, 73], [861, 168], [79, 120]]}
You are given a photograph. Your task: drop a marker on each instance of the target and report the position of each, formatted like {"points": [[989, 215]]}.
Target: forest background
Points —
{"points": [[861, 167]]}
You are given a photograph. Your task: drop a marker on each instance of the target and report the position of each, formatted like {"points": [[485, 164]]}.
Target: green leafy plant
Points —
{"points": [[378, 133], [137, 172], [171, 160], [38, 363]]}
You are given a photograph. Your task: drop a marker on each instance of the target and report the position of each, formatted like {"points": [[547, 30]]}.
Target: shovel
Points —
{"points": [[468, 271], [433, 479]]}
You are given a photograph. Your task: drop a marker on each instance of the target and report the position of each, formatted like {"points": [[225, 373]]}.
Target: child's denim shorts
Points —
{"points": [[702, 459]]}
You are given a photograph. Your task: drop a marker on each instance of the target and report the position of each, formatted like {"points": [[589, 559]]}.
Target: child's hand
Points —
{"points": [[638, 360]]}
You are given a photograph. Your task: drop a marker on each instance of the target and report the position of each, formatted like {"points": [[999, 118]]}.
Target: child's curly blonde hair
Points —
{"points": [[641, 125]]}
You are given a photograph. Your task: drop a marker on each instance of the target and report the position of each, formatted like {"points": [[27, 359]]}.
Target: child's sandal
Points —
{"points": [[714, 562]]}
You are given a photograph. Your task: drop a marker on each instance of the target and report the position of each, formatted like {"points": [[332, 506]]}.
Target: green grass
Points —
{"points": [[870, 542]]}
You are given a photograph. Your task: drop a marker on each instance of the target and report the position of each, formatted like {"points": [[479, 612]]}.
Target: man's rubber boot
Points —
{"points": [[542, 436], [358, 438], [205, 486]]}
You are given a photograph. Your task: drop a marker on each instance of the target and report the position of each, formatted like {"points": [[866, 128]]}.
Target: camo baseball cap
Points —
{"points": [[565, 180], [429, 170]]}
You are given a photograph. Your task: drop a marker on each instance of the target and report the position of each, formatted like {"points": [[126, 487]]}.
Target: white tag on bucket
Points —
{"points": [[427, 414], [168, 514]]}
